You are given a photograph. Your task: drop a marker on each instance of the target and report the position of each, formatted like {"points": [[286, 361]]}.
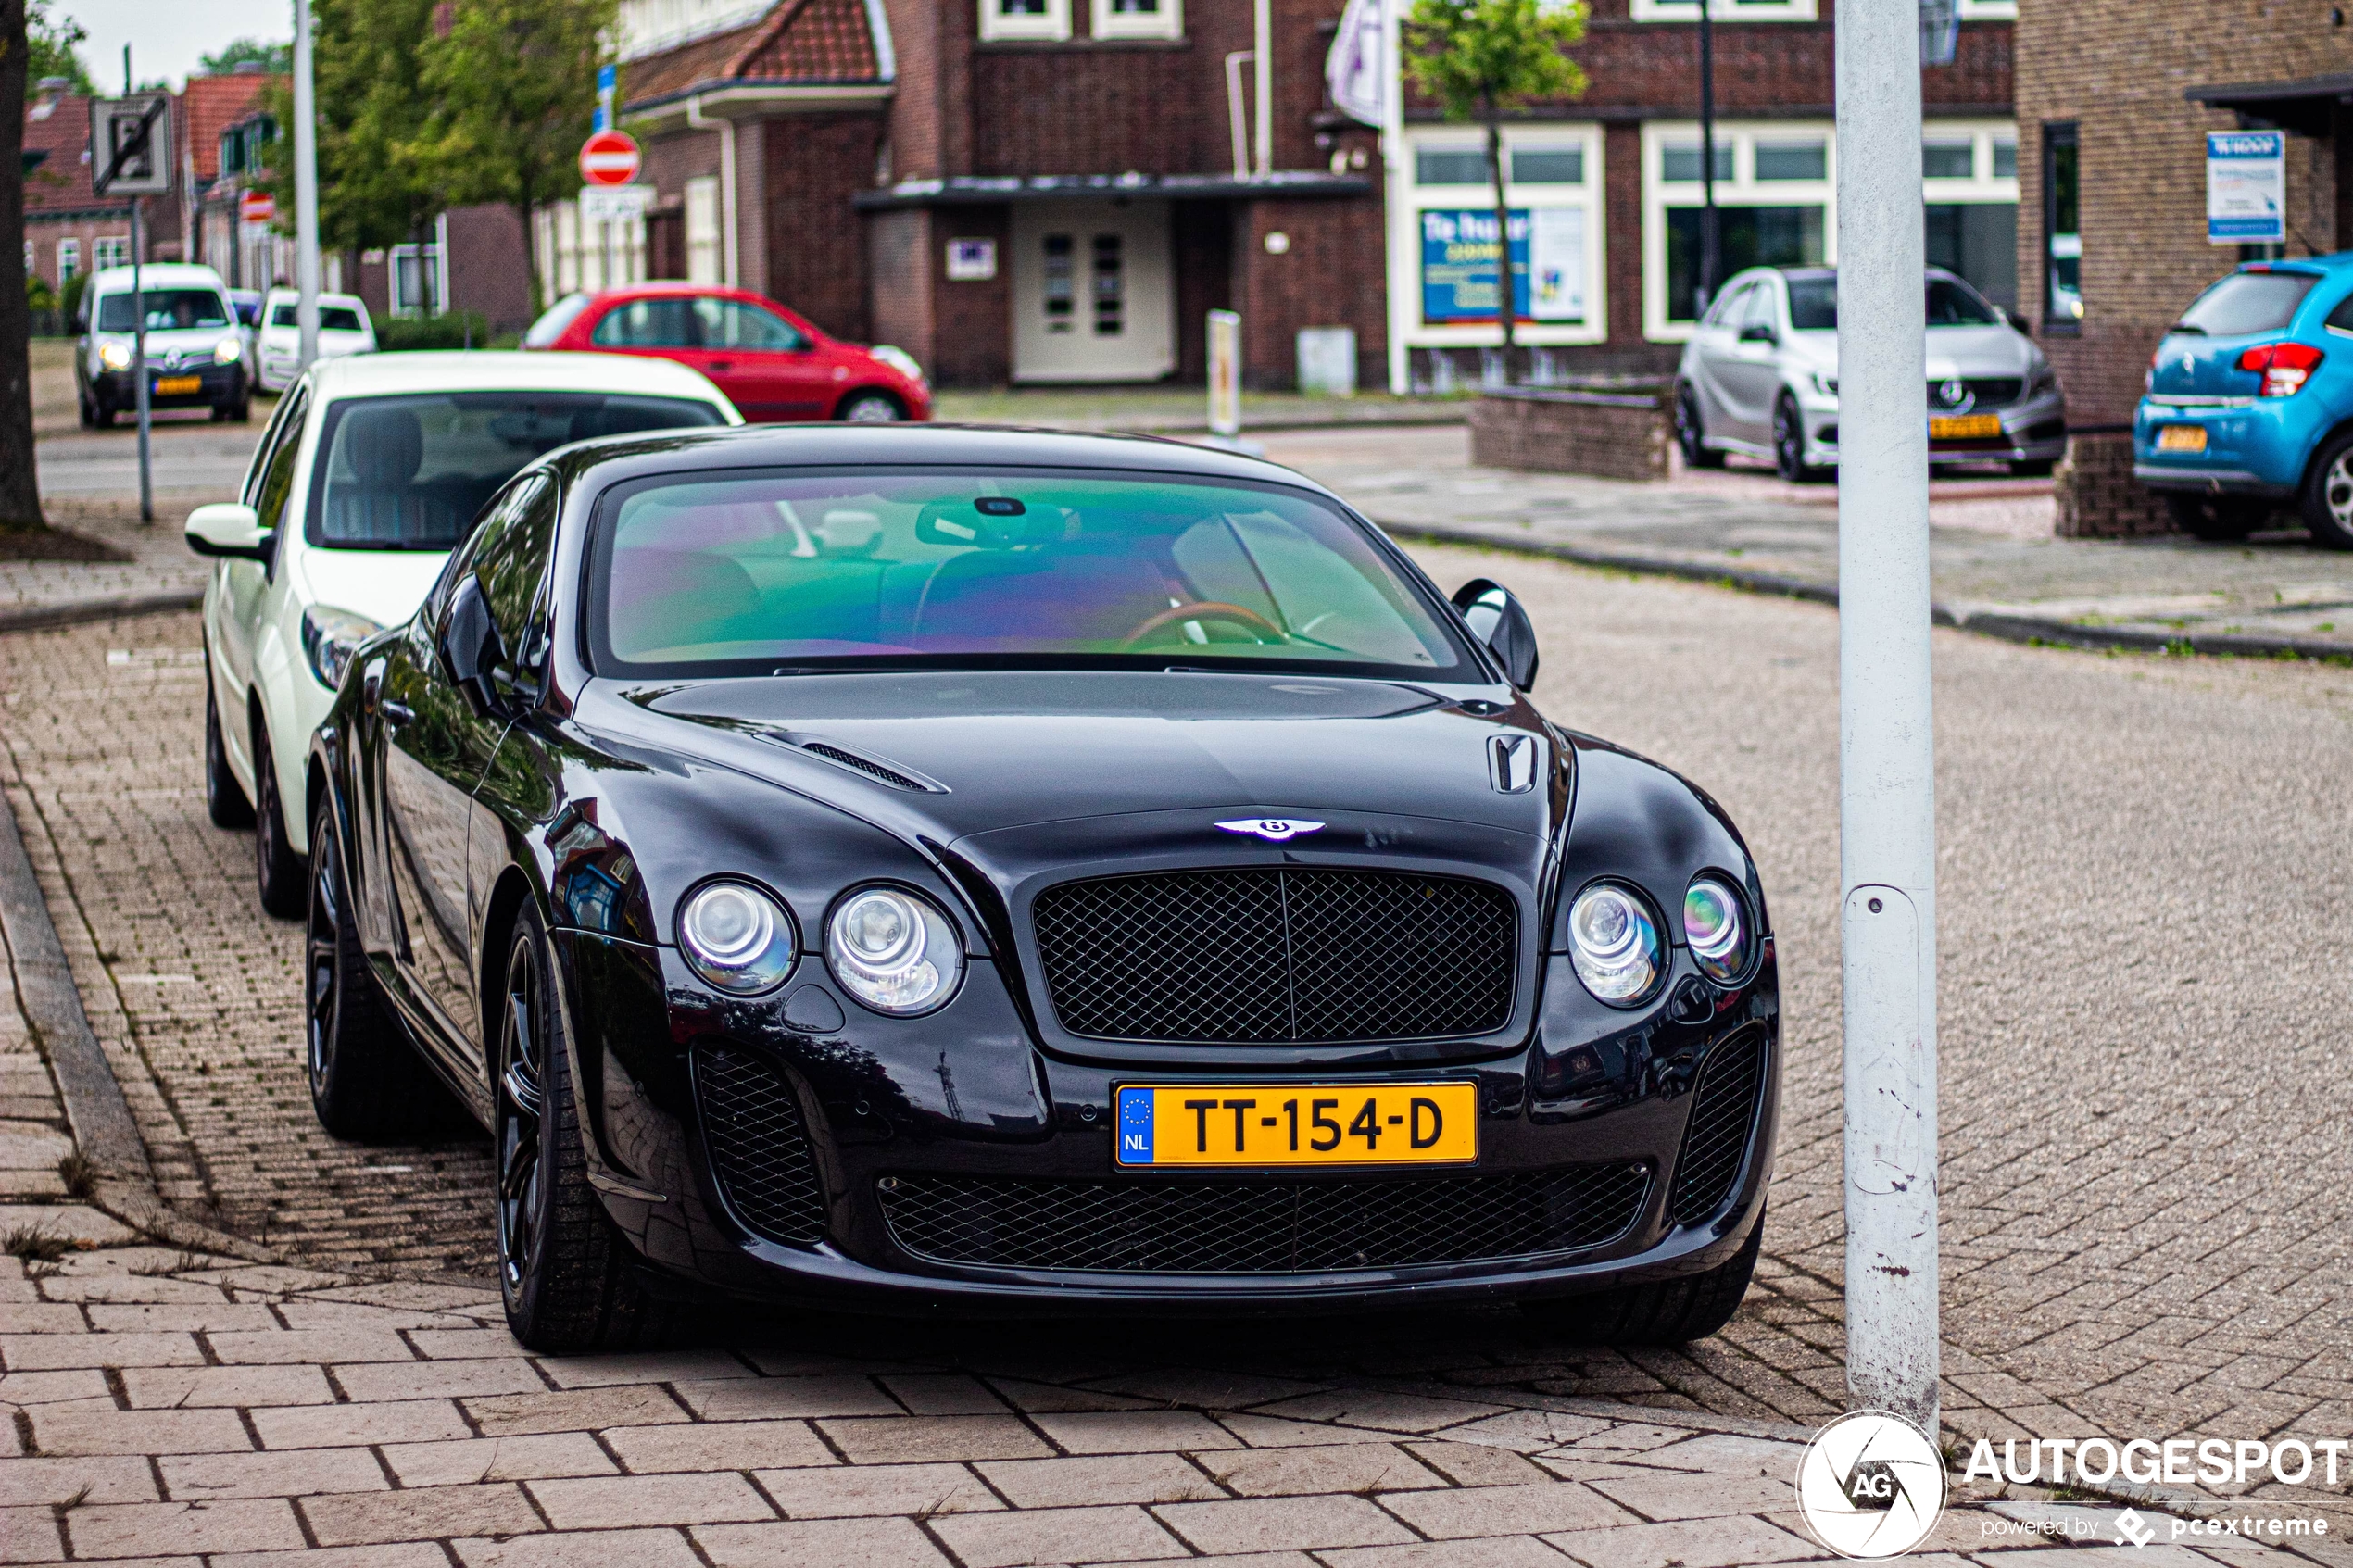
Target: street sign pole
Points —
{"points": [[305, 135], [1887, 826], [139, 356]]}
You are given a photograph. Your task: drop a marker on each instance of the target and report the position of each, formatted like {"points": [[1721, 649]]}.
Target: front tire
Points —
{"points": [[564, 1273], [280, 877], [2224, 520], [224, 798], [1789, 445], [2327, 500], [870, 409], [1691, 434], [367, 1083], [1667, 1312]]}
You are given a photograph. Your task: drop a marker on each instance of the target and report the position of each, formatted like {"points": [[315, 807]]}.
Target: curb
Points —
{"points": [[76, 612], [2003, 624], [100, 1117]]}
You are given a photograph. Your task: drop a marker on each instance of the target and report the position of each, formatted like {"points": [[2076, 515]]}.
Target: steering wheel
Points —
{"points": [[1205, 610]]}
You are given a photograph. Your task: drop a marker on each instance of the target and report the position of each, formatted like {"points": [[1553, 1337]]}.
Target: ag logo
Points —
{"points": [[1870, 1486]]}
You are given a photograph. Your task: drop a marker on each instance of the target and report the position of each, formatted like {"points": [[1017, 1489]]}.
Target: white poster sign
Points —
{"points": [[1225, 373], [1356, 70], [614, 204], [2246, 187], [1557, 264]]}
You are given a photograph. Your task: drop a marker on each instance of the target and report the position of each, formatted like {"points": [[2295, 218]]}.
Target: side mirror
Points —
{"points": [[469, 646], [1758, 331], [1498, 620], [229, 529], [2017, 322]]}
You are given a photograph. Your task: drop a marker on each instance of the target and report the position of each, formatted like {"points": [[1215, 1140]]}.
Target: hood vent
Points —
{"points": [[874, 768]]}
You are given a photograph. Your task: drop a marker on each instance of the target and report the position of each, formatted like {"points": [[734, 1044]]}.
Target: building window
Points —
{"points": [[1948, 160], [2005, 158], [1679, 163], [1139, 19], [703, 229], [1056, 281], [1725, 10], [419, 289], [69, 260], [2062, 227], [1784, 162], [110, 250], [1989, 10], [1448, 250], [1027, 18], [1111, 288]]}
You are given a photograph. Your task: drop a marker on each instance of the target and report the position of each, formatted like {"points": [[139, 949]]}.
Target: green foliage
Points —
{"points": [[55, 49], [1479, 57], [38, 296], [69, 297], [275, 58], [406, 335]]}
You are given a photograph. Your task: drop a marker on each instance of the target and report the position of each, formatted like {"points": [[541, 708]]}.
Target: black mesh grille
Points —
{"points": [[759, 1146], [1277, 955], [867, 766], [1723, 1110], [1984, 391], [1260, 1226]]}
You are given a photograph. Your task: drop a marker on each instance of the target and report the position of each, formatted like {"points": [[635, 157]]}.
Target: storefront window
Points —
{"points": [[1948, 160], [1548, 166], [2062, 227], [1679, 163], [1748, 236], [1548, 255], [1792, 160], [1450, 166]]}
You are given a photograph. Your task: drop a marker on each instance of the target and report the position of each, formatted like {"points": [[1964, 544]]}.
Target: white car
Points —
{"points": [[344, 327], [373, 469]]}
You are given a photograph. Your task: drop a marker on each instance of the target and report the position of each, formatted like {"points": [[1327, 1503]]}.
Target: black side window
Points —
{"points": [[251, 493], [277, 478], [513, 571], [488, 526], [2341, 319]]}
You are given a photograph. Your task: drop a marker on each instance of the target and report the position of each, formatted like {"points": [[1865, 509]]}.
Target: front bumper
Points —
{"points": [[2032, 431], [217, 383], [966, 1095]]}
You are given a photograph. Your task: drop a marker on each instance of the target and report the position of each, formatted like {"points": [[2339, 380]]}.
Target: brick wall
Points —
{"points": [[2098, 496], [898, 295], [816, 162], [1202, 236], [489, 267], [1611, 435], [963, 331], [2119, 70], [1330, 277]]}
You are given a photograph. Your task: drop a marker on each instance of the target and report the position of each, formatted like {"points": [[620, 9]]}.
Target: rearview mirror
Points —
{"points": [[1498, 620], [229, 529], [469, 646]]}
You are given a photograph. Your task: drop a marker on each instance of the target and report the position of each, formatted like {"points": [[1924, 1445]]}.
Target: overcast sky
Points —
{"points": [[167, 37]]}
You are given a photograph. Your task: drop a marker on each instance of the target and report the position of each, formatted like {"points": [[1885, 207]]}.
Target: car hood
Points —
{"points": [[981, 753], [385, 586], [1975, 352]]}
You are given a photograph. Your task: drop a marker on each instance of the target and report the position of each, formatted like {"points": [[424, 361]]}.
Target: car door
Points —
{"points": [[1752, 368], [246, 584], [768, 366], [435, 746], [1711, 350]]}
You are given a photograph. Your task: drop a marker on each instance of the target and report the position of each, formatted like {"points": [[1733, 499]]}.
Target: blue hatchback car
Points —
{"points": [[2249, 405]]}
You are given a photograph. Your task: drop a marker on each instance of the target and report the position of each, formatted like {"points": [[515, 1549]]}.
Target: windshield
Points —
{"points": [[745, 575], [550, 326], [332, 318], [1954, 303], [2247, 301], [410, 473], [168, 311], [1813, 305]]}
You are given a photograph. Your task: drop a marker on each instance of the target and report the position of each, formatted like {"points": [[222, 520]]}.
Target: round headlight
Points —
{"points": [[1713, 926], [736, 938], [228, 351], [895, 952], [1614, 944], [114, 356]]}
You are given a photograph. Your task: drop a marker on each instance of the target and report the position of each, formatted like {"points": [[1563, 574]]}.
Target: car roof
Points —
{"points": [[156, 274], [918, 444], [276, 294], [366, 375]]}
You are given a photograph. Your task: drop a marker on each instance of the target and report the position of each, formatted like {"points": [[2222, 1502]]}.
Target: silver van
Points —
{"points": [[198, 355]]}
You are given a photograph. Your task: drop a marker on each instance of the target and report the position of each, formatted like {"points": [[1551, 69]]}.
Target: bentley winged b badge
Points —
{"points": [[1272, 829]]}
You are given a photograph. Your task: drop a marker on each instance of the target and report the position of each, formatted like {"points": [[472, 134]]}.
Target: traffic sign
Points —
{"points": [[608, 157], [258, 206], [614, 204], [131, 146]]}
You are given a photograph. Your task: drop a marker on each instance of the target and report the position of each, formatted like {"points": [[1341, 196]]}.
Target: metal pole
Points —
{"points": [[1264, 66], [1887, 817], [139, 347], [1711, 257], [305, 133]]}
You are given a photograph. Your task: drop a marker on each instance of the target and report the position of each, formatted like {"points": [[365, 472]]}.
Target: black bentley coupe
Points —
{"points": [[934, 868]]}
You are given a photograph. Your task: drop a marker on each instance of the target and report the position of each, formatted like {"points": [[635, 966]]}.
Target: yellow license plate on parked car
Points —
{"points": [[1163, 1125], [2181, 438], [172, 386], [1965, 427]]}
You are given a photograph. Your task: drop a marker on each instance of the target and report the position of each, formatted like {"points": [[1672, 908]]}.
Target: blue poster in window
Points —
{"points": [[2246, 187], [1548, 266]]}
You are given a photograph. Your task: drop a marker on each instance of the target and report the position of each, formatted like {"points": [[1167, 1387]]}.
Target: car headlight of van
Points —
{"points": [[1715, 930], [1614, 944], [895, 951], [738, 937], [329, 639], [114, 356], [228, 351]]}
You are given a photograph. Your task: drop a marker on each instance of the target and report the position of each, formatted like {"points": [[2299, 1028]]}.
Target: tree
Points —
{"points": [[1480, 57], [277, 59], [20, 487], [516, 80], [55, 49]]}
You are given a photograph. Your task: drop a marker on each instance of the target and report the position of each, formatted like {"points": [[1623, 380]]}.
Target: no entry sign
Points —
{"points": [[258, 206], [608, 157]]}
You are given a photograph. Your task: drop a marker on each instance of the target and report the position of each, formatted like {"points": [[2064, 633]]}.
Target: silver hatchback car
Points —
{"points": [[1760, 377]]}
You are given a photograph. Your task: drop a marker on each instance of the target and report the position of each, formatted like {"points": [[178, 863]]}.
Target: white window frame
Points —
{"points": [[436, 258], [1052, 27], [1989, 10], [703, 231], [109, 250], [1405, 231], [1737, 11], [1166, 23], [69, 260]]}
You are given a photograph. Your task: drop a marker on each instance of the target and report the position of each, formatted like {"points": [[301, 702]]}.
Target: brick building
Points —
{"points": [[2113, 101]]}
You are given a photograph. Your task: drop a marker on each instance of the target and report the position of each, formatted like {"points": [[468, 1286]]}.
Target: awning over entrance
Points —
{"points": [[2307, 106], [973, 190]]}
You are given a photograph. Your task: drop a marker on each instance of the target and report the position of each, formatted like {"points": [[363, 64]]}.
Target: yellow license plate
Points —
{"points": [[1260, 1125], [2181, 438], [172, 386], [1965, 427]]}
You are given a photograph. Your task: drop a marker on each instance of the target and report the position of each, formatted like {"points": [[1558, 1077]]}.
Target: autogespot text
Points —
{"points": [[2211, 1462]]}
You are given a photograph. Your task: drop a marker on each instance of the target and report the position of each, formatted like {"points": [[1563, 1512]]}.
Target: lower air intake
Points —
{"points": [[1723, 1111], [1260, 1228], [759, 1145]]}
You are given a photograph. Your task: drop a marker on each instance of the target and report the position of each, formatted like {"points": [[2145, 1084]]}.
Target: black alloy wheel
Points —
{"points": [[1690, 434], [2327, 500], [278, 873], [224, 798], [367, 1082], [1789, 445], [565, 1274], [1666, 1312], [2222, 519]]}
